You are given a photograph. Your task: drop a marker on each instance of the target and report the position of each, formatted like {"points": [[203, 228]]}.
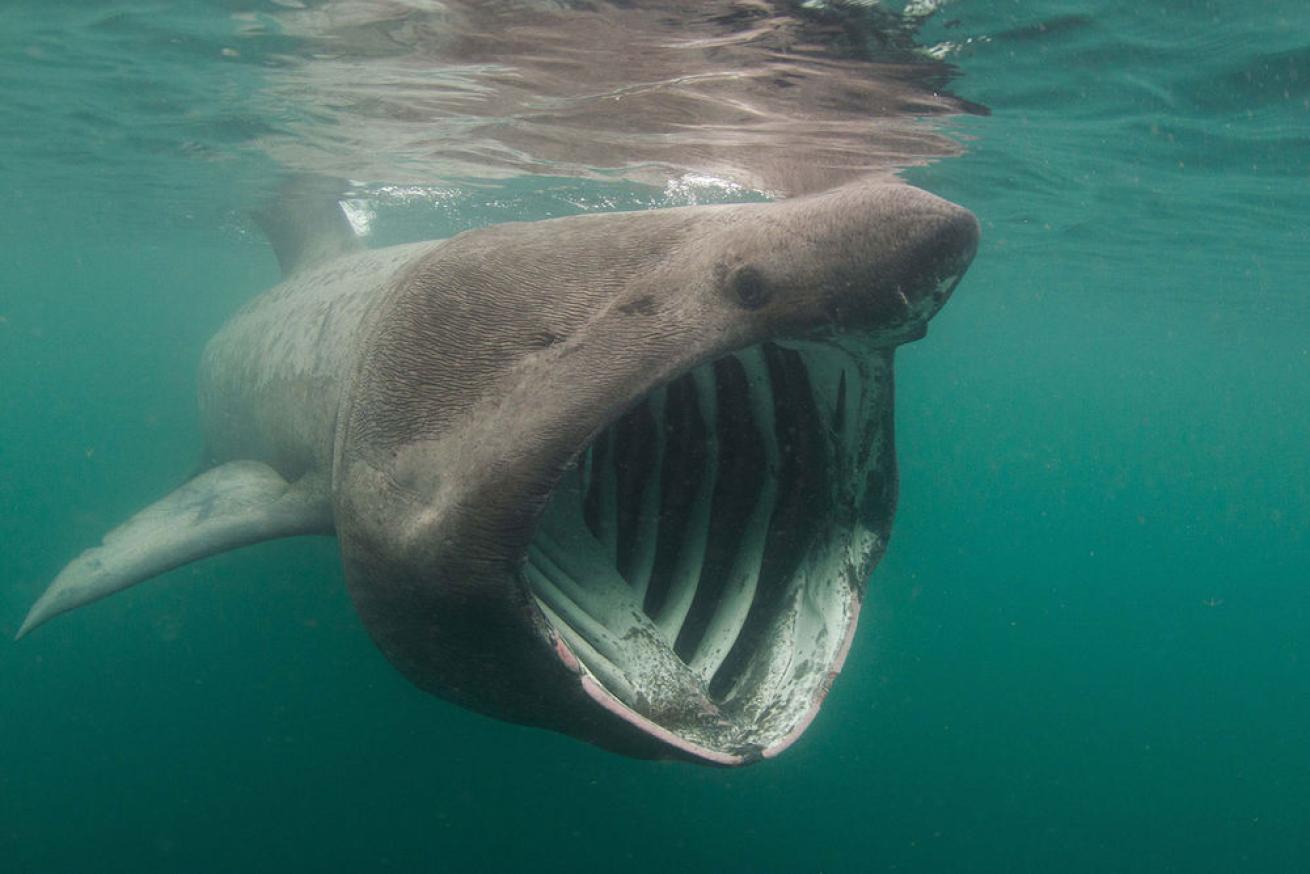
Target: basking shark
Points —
{"points": [[624, 476]]}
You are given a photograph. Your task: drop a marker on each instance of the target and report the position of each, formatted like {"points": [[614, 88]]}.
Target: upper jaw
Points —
{"points": [[919, 310]]}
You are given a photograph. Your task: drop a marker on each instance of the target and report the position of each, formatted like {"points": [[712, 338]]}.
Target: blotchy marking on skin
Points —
{"points": [[598, 694], [645, 305]]}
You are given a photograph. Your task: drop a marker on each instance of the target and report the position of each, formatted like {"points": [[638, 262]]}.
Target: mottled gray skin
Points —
{"points": [[272, 379], [422, 401]]}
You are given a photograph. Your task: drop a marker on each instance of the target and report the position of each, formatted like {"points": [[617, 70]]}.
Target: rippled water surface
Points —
{"points": [[1086, 647]]}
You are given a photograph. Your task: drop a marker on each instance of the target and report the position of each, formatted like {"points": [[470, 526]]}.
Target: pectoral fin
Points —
{"points": [[235, 504]]}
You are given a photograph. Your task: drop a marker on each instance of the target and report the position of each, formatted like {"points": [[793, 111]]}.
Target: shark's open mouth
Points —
{"points": [[705, 558]]}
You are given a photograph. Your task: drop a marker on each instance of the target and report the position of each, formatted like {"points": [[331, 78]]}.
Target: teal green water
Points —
{"points": [[1085, 650]]}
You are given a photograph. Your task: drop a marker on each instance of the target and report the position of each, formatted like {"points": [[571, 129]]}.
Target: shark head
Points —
{"points": [[626, 476]]}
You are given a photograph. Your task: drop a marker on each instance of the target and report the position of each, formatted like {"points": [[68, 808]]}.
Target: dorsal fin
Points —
{"points": [[306, 224]]}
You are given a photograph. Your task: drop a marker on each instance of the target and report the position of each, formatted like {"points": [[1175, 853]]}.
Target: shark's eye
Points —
{"points": [[749, 287]]}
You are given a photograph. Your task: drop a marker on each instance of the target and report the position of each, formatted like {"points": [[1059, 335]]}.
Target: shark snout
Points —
{"points": [[877, 258], [934, 264], [912, 271], [942, 253]]}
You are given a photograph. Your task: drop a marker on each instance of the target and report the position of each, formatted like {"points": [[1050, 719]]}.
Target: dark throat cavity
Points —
{"points": [[703, 556]]}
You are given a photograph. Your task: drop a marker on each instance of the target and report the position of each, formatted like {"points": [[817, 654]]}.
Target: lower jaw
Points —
{"points": [[704, 559]]}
